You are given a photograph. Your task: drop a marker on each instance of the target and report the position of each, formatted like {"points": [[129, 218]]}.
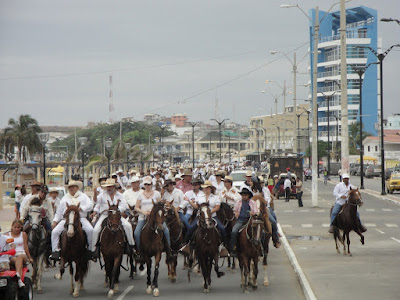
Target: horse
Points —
{"points": [[73, 249], [176, 232], [38, 242], [347, 221], [133, 219], [264, 216], [227, 217], [112, 241], [152, 244], [249, 242], [206, 243]]}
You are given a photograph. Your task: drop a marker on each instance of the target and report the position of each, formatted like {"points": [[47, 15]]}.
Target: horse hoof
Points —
{"points": [[148, 290], [350, 254], [40, 291], [115, 289], [156, 292], [35, 287], [57, 276], [266, 283], [75, 294], [220, 274], [254, 287], [206, 291], [110, 294], [245, 291], [173, 280]]}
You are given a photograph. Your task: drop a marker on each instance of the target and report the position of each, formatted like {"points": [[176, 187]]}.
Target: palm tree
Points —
{"points": [[23, 134], [354, 137]]}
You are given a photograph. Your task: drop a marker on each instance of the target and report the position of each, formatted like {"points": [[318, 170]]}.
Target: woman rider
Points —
{"points": [[144, 205], [214, 204]]}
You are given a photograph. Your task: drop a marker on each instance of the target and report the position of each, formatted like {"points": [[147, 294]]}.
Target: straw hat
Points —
{"points": [[54, 190], [134, 179], [147, 180], [109, 182], [168, 181], [187, 173], [249, 174], [206, 184], [75, 183], [177, 176], [36, 183], [228, 178]]}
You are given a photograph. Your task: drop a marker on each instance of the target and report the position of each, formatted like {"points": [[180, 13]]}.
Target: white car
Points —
{"points": [[239, 177], [61, 190]]}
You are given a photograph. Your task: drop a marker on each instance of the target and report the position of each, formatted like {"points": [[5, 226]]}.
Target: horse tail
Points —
{"points": [[337, 235]]}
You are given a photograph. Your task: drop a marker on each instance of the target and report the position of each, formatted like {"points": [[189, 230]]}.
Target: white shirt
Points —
{"points": [[4, 247], [147, 203], [213, 200], [27, 199], [342, 190], [218, 187], [212, 178], [267, 195], [18, 196], [191, 195], [287, 183], [233, 192], [131, 196], [176, 195], [86, 205], [103, 199]]}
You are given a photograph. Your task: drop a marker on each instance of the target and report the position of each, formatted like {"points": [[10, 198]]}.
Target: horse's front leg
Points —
{"points": [[245, 274], [255, 272], [157, 259], [34, 273], [148, 264], [357, 230], [216, 268], [62, 269], [348, 243], [203, 266], [39, 273]]}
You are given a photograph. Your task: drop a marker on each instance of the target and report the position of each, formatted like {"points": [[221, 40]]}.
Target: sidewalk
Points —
{"points": [[7, 215]]}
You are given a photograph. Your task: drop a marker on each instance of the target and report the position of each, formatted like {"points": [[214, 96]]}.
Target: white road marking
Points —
{"points": [[127, 290], [306, 225], [326, 225], [321, 210], [288, 210], [370, 209], [304, 210], [380, 231], [394, 239], [387, 209], [391, 225], [370, 224], [286, 226], [144, 271]]}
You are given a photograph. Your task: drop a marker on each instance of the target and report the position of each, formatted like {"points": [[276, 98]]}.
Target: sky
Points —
{"points": [[165, 57]]}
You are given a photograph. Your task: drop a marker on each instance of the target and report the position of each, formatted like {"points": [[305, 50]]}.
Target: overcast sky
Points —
{"points": [[56, 57]]}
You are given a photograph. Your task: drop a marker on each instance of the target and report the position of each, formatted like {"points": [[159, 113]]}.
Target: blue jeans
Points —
{"points": [[336, 210], [138, 232], [184, 219], [192, 227], [272, 219], [235, 232]]}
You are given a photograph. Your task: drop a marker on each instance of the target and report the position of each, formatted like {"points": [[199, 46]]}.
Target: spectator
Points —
{"points": [[299, 191]]}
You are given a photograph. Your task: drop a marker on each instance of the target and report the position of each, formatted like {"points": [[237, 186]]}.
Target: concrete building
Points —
{"points": [[179, 119], [372, 147], [362, 23], [392, 122], [274, 134]]}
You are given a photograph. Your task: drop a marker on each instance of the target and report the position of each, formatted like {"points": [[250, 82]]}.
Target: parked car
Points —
{"points": [[373, 171], [393, 183], [239, 177], [354, 168], [281, 190], [61, 190]]}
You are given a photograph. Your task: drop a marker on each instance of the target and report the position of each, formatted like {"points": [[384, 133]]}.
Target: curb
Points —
{"points": [[308, 292]]}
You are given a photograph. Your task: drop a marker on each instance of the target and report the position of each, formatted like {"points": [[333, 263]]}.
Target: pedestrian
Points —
{"points": [[325, 177], [340, 175], [270, 182], [299, 191], [18, 199], [287, 184]]}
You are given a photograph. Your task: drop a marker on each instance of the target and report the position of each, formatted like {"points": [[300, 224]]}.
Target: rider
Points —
{"points": [[214, 204], [73, 197], [244, 208], [132, 194], [144, 205], [218, 183], [35, 187], [341, 193], [110, 197], [177, 196], [229, 193]]}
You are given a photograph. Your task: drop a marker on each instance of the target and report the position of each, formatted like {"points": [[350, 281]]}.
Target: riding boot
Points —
{"points": [[55, 256], [331, 229], [223, 251], [96, 254], [168, 251], [128, 249]]}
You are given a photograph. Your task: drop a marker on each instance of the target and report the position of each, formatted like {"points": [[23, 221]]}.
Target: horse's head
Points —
{"points": [[205, 216], [261, 206], [355, 197], [35, 216], [157, 215], [256, 228], [114, 217], [71, 216]]}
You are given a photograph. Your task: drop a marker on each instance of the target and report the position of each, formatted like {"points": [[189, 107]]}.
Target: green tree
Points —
{"points": [[354, 137], [23, 134], [322, 150]]}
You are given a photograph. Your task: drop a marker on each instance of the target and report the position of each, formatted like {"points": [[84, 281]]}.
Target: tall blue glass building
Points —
{"points": [[362, 23]]}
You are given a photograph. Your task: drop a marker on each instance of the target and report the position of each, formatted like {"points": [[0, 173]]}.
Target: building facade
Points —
{"points": [[179, 119], [362, 23]]}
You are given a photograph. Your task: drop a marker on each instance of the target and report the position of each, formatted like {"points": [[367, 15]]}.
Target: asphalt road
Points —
{"points": [[373, 270], [371, 183], [283, 284]]}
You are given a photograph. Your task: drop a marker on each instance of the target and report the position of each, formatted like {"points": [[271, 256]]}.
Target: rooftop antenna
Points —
{"points": [[111, 104]]}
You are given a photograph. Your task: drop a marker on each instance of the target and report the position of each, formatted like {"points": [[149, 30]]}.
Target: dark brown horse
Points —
{"points": [[347, 221], [261, 204], [175, 230], [152, 244], [227, 217], [112, 247], [73, 249], [250, 247], [133, 219], [206, 243]]}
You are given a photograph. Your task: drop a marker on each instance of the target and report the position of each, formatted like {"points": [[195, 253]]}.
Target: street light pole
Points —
{"points": [[220, 137], [210, 144], [82, 141], [381, 57], [44, 138], [127, 147], [193, 125], [108, 144]]}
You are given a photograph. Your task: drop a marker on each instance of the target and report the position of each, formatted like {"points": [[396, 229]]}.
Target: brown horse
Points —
{"points": [[261, 204], [73, 245], [347, 221], [112, 247], [249, 251], [175, 230], [133, 219], [206, 243], [227, 217], [152, 244]]}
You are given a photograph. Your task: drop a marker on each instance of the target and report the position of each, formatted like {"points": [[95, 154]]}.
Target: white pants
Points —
{"points": [[56, 232], [125, 224]]}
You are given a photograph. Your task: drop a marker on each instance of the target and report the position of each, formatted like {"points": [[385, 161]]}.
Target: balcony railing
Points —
{"points": [[349, 35], [325, 119]]}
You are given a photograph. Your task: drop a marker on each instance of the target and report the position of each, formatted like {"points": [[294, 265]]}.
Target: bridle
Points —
{"points": [[114, 227], [358, 201]]}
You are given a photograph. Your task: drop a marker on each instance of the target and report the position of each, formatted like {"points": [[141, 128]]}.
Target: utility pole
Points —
{"points": [[284, 117], [193, 125], [220, 136]]}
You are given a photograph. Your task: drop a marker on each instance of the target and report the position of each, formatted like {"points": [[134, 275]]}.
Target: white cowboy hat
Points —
{"points": [[134, 179], [75, 183], [109, 182], [147, 180], [345, 176]]}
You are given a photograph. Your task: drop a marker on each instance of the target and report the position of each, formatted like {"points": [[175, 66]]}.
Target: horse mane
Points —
{"points": [[70, 208], [156, 207], [35, 201]]}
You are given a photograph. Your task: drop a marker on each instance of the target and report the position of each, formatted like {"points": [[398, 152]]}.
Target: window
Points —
{"points": [[369, 148], [376, 148], [204, 146]]}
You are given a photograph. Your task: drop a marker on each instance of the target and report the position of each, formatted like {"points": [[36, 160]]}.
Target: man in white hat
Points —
{"points": [[132, 194], [111, 197], [218, 183], [122, 179], [73, 197], [341, 193], [229, 193]]}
